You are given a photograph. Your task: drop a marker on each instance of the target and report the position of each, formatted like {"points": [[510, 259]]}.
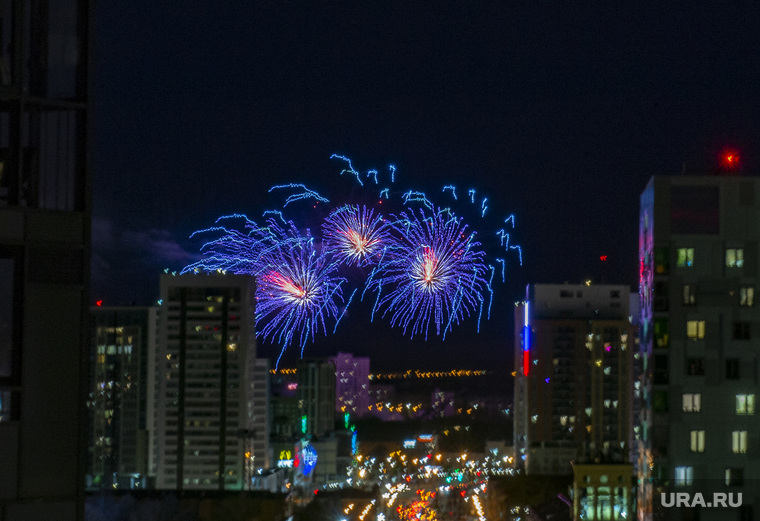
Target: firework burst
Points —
{"points": [[297, 290], [297, 286], [355, 234], [432, 271]]}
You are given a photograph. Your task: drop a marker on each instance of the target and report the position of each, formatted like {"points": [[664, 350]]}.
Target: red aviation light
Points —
{"points": [[730, 161]]}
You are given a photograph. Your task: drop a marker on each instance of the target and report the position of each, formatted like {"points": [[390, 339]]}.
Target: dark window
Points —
{"points": [[695, 366], [661, 296], [741, 331], [7, 284], [734, 477], [732, 369], [660, 401], [54, 46], [10, 333], [52, 163], [660, 369], [746, 193]]}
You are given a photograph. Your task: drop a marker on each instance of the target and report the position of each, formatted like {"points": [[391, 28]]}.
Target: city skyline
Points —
{"points": [[560, 117]]}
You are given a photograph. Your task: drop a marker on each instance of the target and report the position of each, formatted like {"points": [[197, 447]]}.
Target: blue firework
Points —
{"points": [[433, 271]]}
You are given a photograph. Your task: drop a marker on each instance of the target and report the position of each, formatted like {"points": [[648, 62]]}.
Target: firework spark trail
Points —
{"points": [[433, 271], [350, 169], [355, 234], [414, 196], [503, 269], [276, 213], [305, 194], [453, 190]]}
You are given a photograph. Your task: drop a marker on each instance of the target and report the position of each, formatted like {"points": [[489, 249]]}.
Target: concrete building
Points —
{"points": [[45, 216], [574, 376], [700, 341], [351, 384], [316, 396], [209, 418], [123, 340]]}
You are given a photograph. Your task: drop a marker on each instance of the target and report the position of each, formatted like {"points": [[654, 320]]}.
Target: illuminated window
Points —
{"points": [[661, 261], [697, 441], [692, 402], [685, 258], [734, 477], [661, 336], [734, 257], [689, 294], [745, 404], [695, 329], [739, 442], [684, 476], [747, 296]]}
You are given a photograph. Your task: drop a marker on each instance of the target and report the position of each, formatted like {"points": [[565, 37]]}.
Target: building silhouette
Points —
{"points": [[698, 258], [351, 384], [573, 385], [210, 414], [44, 257], [316, 396], [123, 352]]}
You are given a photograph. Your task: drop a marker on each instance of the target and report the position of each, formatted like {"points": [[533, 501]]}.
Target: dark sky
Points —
{"points": [[559, 114]]}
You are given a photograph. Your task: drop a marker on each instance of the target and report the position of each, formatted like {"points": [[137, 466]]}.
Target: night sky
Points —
{"points": [[558, 114]]}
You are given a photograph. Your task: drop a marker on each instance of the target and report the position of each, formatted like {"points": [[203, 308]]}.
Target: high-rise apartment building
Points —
{"points": [[210, 413], [124, 339], [351, 384], [574, 367], [316, 396], [44, 257], [700, 342]]}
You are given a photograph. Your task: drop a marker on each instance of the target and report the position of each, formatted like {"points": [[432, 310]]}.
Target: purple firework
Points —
{"points": [[355, 234], [297, 288], [433, 270]]}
